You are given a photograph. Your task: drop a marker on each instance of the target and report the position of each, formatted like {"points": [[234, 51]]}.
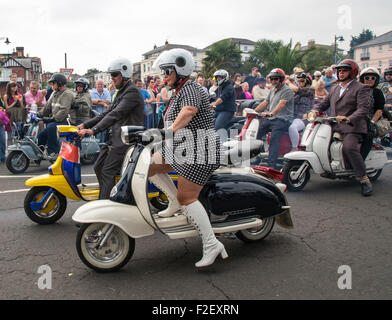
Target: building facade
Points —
{"points": [[376, 53], [149, 58], [245, 46], [27, 69]]}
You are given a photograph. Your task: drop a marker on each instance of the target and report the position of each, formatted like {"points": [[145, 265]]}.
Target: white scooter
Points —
{"points": [[250, 131], [240, 202], [322, 152]]}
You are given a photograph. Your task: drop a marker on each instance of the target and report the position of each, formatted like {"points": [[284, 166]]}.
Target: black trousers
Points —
{"points": [[352, 150], [106, 167]]}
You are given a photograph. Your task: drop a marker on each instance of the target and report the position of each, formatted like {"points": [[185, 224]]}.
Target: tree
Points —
{"points": [[274, 54], [222, 55], [364, 36], [319, 59]]}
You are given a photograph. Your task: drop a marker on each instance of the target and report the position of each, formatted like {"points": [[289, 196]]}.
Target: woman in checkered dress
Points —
{"points": [[194, 150]]}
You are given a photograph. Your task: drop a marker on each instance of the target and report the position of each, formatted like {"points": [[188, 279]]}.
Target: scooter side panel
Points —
{"points": [[26, 149], [59, 183], [310, 157], [376, 159], [230, 197], [126, 217]]}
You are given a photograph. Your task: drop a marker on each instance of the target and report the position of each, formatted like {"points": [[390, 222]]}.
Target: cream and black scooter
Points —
{"points": [[240, 202]]}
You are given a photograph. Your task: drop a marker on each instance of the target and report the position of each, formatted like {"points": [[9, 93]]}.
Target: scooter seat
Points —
{"points": [[243, 150]]}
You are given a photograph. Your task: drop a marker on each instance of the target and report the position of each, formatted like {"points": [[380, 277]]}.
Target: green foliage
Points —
{"points": [[222, 55], [70, 84], [319, 59], [92, 71], [364, 36], [270, 54]]}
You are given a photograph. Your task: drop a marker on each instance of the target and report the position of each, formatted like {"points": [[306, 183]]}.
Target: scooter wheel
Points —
{"points": [[374, 175], [294, 185], [115, 254], [257, 234], [17, 162], [88, 159], [54, 210], [160, 202]]}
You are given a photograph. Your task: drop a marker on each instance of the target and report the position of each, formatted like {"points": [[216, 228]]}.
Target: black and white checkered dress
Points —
{"points": [[195, 150]]}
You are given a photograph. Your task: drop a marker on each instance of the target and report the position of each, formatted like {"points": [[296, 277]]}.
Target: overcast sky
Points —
{"points": [[92, 33]]}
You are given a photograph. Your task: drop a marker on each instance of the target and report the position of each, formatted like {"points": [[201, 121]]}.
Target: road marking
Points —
{"points": [[25, 177], [24, 190]]}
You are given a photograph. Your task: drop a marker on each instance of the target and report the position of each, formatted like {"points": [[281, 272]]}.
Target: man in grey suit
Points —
{"points": [[127, 109], [350, 103]]}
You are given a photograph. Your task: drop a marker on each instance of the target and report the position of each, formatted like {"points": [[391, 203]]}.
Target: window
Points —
{"points": [[144, 67], [380, 47], [365, 65], [380, 64], [245, 48], [194, 53], [390, 45]]}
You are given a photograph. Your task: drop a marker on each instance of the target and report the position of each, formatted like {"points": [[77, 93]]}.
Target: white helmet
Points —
{"points": [[221, 73], [179, 59], [122, 65], [317, 74]]}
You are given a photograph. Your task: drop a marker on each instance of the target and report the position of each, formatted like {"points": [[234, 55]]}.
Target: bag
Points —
{"points": [[4, 118], [383, 126]]}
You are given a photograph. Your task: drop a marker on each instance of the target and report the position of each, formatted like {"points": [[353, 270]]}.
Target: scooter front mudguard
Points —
{"points": [[26, 149], [124, 216], [57, 182], [310, 157]]}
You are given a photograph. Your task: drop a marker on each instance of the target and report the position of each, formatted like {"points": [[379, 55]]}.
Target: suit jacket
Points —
{"points": [[355, 103], [127, 109]]}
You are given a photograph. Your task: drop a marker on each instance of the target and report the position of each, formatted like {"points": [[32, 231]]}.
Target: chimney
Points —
{"points": [[155, 46], [20, 52], [166, 43]]}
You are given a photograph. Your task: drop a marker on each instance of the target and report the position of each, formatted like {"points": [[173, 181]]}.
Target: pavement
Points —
{"points": [[339, 249]]}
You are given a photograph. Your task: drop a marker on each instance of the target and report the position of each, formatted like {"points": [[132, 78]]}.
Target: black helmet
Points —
{"points": [[84, 82], [387, 71], [307, 77], [59, 78]]}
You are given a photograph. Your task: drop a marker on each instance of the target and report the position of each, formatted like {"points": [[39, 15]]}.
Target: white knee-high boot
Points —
{"points": [[166, 185], [197, 215]]}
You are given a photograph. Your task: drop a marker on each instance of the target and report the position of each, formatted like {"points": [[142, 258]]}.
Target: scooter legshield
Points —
{"points": [[310, 157], [124, 216]]}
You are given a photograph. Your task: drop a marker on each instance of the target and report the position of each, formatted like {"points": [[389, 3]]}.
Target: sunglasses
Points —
{"points": [[274, 79], [115, 74], [370, 77], [167, 72]]}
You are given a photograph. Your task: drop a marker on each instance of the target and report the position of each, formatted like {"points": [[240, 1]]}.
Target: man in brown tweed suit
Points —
{"points": [[350, 103]]}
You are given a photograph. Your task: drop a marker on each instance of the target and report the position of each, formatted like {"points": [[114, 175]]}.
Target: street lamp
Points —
{"points": [[337, 38]]}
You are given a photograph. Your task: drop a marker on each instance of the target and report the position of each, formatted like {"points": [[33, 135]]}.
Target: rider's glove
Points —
{"points": [[74, 106], [48, 119]]}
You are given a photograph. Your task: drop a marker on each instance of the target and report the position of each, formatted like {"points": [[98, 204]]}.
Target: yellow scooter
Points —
{"points": [[46, 201]]}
